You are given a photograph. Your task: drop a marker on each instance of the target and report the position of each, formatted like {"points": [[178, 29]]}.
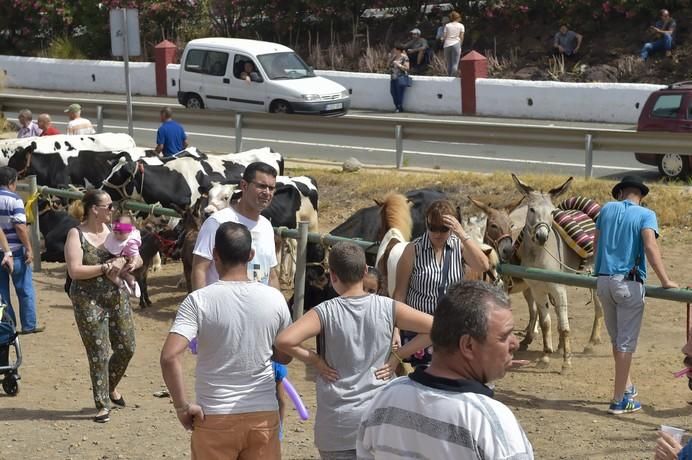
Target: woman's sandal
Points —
{"points": [[103, 418], [118, 402]]}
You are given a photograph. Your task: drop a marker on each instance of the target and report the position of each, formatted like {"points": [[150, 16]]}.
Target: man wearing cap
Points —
{"points": [[77, 124], [626, 235], [416, 48]]}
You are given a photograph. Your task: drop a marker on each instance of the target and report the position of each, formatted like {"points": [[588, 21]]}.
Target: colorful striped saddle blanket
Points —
{"points": [[575, 221]]}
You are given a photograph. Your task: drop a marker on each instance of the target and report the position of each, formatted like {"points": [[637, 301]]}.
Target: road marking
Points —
{"points": [[413, 152]]}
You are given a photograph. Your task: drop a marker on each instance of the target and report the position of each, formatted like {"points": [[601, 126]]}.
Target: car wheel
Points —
{"points": [[193, 101], [280, 107], [674, 166]]}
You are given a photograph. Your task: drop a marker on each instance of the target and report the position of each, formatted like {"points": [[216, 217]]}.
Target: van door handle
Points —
{"points": [[226, 80]]}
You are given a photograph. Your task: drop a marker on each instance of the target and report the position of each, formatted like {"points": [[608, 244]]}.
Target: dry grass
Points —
{"points": [[498, 65], [556, 67], [342, 193]]}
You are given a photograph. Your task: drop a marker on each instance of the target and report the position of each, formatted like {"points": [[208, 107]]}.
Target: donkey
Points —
{"points": [[396, 230], [542, 247]]}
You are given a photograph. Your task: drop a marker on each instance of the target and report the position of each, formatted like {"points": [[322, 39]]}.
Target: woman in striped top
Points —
{"points": [[433, 262]]}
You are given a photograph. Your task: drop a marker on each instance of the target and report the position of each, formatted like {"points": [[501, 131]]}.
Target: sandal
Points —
{"points": [[103, 418], [118, 402]]}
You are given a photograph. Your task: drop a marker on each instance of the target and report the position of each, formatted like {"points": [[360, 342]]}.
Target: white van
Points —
{"points": [[254, 76]]}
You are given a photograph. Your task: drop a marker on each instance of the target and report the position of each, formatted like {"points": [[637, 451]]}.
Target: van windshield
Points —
{"points": [[285, 66]]}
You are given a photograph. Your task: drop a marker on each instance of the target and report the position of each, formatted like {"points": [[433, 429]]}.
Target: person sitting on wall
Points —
{"points": [[418, 51]]}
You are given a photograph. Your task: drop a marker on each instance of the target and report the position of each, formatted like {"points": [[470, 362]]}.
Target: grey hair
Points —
{"points": [[464, 310], [26, 113]]}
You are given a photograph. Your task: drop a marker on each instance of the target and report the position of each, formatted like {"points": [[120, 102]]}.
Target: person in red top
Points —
{"points": [[45, 123]]}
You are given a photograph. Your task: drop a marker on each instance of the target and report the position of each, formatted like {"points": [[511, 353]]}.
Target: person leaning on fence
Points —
{"points": [[398, 70], [625, 238], [13, 224], [447, 411]]}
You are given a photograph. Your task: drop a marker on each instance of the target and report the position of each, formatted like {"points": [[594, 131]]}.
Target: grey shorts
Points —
{"points": [[623, 309], [338, 454]]}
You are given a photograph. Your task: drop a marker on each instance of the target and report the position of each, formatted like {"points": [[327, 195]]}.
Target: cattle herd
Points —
{"points": [[191, 183]]}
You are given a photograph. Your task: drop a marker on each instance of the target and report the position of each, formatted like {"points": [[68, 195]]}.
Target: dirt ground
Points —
{"points": [[564, 415]]}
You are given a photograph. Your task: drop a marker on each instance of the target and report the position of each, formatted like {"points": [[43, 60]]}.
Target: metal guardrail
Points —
{"points": [[399, 129], [586, 281]]}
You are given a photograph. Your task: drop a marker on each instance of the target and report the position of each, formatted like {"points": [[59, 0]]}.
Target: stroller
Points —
{"points": [[8, 339]]}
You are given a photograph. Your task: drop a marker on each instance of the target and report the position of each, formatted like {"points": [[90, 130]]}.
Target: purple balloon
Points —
{"points": [[193, 346], [295, 397]]}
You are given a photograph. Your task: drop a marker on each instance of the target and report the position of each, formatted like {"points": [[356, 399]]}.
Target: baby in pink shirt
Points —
{"points": [[124, 241]]}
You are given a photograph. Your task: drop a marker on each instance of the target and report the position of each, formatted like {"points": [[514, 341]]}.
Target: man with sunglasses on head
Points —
{"points": [[257, 187]]}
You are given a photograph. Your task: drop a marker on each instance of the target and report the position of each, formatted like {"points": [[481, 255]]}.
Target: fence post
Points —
{"points": [[399, 145], [99, 119], [588, 163], [34, 230], [299, 280], [238, 132]]}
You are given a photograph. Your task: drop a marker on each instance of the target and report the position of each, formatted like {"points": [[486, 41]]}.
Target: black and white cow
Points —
{"points": [[176, 183], [54, 224], [58, 161]]}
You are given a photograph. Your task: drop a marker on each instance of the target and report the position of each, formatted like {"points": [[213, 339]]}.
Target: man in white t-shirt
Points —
{"points": [[236, 321], [257, 185], [446, 410], [77, 124]]}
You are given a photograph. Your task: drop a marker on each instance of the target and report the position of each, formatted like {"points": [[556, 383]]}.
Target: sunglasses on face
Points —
{"points": [[438, 228], [108, 206], [264, 187]]}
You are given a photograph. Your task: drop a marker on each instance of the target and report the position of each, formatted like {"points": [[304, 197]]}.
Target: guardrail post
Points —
{"points": [[588, 162], [33, 229], [238, 132], [299, 280], [399, 145], [99, 119]]}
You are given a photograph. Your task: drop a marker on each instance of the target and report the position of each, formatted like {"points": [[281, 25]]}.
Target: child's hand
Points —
{"points": [[327, 373], [388, 371], [129, 266]]}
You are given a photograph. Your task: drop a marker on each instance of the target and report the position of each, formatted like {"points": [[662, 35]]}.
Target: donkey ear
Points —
{"points": [[557, 191], [378, 202], [514, 205], [522, 187], [479, 204]]}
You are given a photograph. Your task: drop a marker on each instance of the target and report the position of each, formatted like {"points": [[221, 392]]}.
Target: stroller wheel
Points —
{"points": [[10, 385]]}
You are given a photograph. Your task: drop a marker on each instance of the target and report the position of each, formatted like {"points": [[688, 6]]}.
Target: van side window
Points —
{"points": [[216, 63], [667, 106], [194, 61], [244, 68]]}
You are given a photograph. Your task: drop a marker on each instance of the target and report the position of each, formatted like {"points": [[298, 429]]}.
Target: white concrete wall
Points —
{"points": [[439, 95], [600, 102], [77, 75]]}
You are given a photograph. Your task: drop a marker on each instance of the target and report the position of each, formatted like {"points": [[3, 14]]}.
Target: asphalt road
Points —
{"points": [[379, 151]]}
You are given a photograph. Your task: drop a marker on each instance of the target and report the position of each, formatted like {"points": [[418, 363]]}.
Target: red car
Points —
{"points": [[668, 109]]}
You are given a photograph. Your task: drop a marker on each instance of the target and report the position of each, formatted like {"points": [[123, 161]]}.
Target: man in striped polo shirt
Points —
{"points": [[13, 223], [446, 410]]}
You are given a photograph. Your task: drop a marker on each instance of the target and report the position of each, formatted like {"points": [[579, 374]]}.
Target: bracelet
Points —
{"points": [[182, 408], [397, 357]]}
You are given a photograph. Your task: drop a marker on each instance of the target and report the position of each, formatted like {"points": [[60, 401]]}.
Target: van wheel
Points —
{"points": [[193, 101], [674, 166], [280, 107]]}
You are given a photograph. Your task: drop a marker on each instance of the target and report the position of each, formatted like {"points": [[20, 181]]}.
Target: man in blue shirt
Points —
{"points": [[626, 235], [13, 224], [665, 33], [170, 137]]}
